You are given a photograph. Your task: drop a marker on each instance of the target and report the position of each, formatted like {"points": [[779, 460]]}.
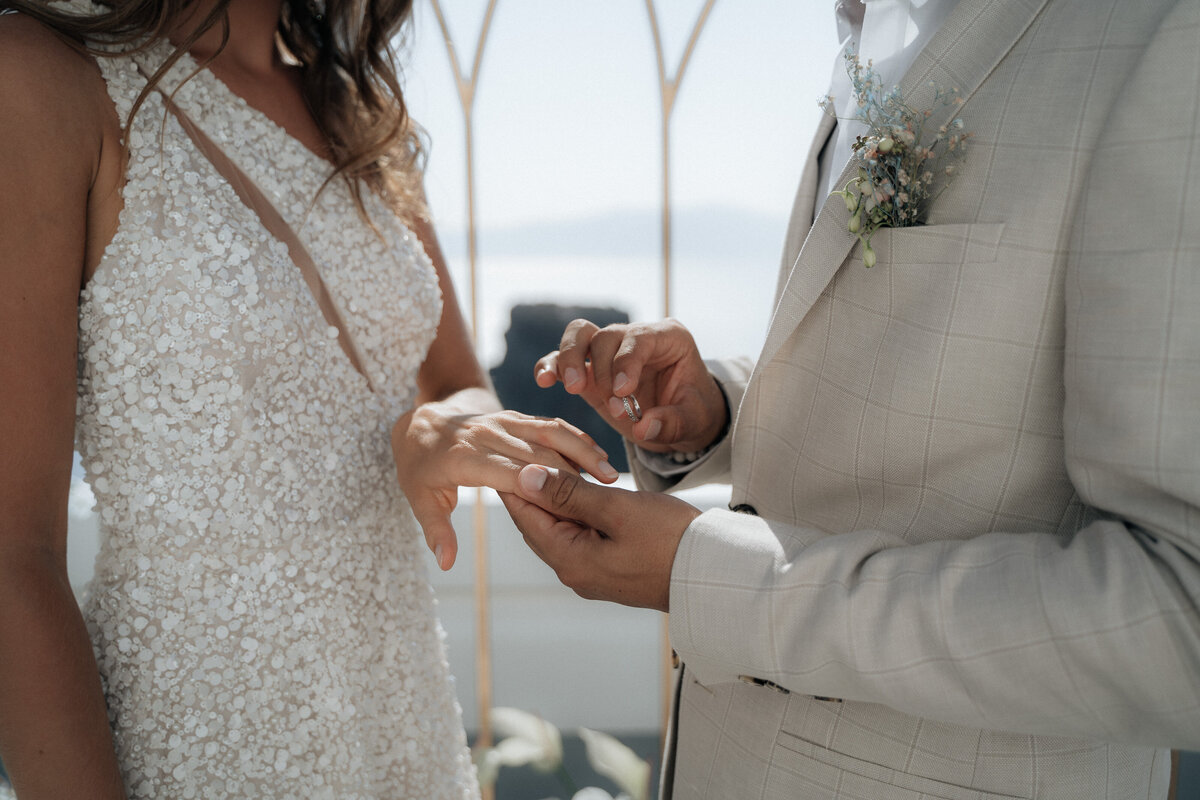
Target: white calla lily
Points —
{"points": [[528, 739], [487, 765], [615, 761]]}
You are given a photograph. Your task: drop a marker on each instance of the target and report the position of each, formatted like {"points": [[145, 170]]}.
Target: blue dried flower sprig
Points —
{"points": [[898, 167]]}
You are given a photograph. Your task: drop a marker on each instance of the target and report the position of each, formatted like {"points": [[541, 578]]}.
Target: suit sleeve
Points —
{"points": [[1096, 635]]}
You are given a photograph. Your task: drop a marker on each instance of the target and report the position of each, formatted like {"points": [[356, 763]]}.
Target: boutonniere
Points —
{"points": [[899, 163]]}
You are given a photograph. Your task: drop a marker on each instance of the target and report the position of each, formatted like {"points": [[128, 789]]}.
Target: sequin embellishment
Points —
{"points": [[260, 610]]}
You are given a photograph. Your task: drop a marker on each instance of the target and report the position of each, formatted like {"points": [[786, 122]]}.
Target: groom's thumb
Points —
{"points": [[561, 493]]}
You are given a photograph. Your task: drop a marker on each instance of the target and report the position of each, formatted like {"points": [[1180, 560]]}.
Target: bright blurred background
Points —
{"points": [[568, 162], [568, 154]]}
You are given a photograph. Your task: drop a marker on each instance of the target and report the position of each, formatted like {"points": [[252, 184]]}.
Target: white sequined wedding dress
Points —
{"points": [[260, 610]]}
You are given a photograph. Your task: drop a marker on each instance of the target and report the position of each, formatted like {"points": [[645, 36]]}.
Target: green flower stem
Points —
{"points": [[566, 779]]}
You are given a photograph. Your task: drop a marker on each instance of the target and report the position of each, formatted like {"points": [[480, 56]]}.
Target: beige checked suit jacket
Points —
{"points": [[975, 466]]}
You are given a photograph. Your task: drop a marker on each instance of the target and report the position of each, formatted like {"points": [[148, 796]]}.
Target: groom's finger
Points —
{"points": [[545, 371], [533, 522], [658, 345], [660, 425], [569, 496], [568, 548], [573, 353]]}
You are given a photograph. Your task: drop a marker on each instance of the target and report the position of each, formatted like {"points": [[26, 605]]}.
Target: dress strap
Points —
{"points": [[270, 218]]}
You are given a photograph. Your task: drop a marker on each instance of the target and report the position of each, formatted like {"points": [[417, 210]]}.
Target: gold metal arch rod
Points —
{"points": [[668, 89], [467, 87]]}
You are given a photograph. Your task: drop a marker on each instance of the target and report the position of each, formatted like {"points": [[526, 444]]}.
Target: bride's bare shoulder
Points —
{"points": [[60, 152], [48, 87], [29, 48]]}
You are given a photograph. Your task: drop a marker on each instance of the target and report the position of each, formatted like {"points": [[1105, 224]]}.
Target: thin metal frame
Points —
{"points": [[467, 86]]}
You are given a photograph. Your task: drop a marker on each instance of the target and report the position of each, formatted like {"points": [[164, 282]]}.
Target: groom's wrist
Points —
{"points": [[726, 419]]}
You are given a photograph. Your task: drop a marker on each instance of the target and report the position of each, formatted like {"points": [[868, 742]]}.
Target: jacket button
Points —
{"points": [[744, 508]]}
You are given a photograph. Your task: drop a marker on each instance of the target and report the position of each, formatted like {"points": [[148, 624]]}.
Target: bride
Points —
{"points": [[218, 284]]}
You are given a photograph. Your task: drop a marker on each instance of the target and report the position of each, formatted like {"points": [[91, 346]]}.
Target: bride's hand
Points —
{"points": [[439, 447], [683, 408]]}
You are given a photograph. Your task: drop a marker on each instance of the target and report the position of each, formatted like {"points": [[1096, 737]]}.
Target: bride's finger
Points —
{"points": [[521, 452], [491, 454], [502, 430], [434, 520], [541, 455], [573, 444], [499, 471]]}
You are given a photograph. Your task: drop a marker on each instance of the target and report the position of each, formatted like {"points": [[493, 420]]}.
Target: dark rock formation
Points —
{"points": [[535, 330]]}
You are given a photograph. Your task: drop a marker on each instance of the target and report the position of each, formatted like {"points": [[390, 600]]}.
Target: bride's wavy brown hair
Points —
{"points": [[350, 79]]}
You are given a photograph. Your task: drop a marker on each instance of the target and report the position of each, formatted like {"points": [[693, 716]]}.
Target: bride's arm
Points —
{"points": [[54, 735], [457, 435]]}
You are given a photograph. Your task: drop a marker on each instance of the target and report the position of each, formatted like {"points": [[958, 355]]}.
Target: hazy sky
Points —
{"points": [[568, 164], [568, 153]]}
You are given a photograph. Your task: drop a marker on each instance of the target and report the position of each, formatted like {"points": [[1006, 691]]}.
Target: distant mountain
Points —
{"points": [[701, 231]]}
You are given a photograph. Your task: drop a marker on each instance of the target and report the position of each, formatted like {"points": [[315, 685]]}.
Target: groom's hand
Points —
{"points": [[683, 408], [602, 542]]}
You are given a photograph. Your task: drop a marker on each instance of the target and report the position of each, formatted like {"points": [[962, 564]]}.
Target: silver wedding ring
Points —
{"points": [[632, 409]]}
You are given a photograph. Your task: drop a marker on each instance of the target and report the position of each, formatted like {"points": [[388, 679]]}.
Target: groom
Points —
{"points": [[963, 554]]}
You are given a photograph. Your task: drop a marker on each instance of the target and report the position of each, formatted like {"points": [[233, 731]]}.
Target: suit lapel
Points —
{"points": [[805, 205], [969, 45], [812, 168]]}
